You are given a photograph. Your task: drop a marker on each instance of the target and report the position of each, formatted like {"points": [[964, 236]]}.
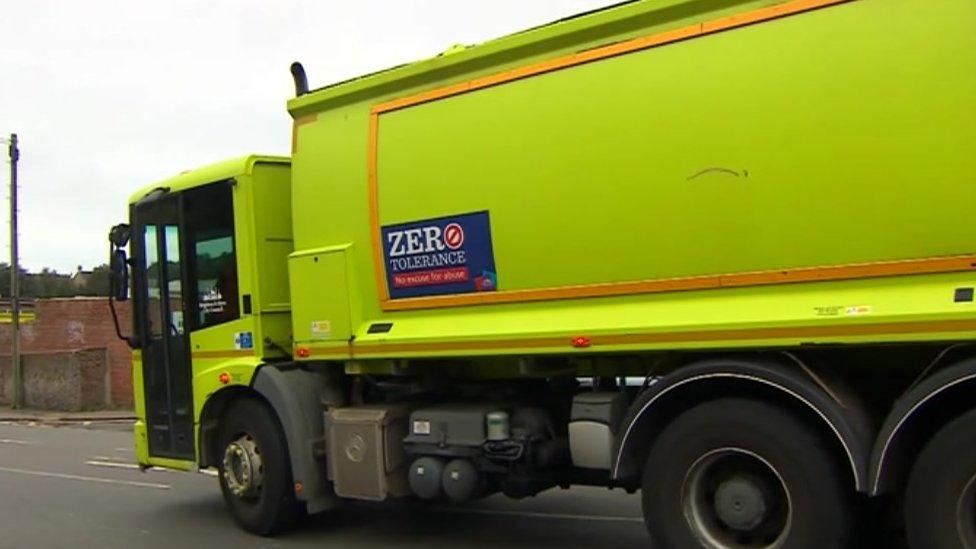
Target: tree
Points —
{"points": [[50, 283], [98, 281], [5, 280]]}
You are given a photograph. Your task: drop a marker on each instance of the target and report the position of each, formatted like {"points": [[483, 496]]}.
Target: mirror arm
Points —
{"points": [[130, 341]]}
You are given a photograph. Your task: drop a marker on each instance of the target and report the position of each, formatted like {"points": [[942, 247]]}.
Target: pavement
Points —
{"points": [[27, 415], [73, 483]]}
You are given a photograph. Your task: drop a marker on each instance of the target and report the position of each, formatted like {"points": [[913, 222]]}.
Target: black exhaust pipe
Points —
{"points": [[301, 81]]}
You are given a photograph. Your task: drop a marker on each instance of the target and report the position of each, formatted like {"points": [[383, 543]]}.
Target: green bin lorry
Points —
{"points": [[718, 252]]}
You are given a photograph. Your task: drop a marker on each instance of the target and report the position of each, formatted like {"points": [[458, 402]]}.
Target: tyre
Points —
{"points": [[255, 471], [739, 473], [940, 500]]}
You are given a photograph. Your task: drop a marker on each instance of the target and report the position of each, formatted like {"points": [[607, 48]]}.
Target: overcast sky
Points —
{"points": [[110, 96]]}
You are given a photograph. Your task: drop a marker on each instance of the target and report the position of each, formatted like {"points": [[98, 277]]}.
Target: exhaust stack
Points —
{"points": [[301, 81]]}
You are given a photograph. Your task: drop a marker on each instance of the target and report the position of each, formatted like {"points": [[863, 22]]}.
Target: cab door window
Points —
{"points": [[174, 269], [209, 218], [154, 279]]}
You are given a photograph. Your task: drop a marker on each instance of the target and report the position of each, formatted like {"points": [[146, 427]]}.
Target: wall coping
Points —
{"points": [[56, 351]]}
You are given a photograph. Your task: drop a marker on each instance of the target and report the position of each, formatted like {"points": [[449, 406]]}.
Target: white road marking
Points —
{"points": [[85, 479], [560, 516], [12, 441], [114, 464], [105, 461], [121, 465]]}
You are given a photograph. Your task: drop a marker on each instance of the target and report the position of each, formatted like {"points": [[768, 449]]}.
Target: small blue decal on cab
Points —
{"points": [[244, 340]]}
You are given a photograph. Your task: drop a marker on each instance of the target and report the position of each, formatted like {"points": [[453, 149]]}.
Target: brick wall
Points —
{"points": [[73, 324], [60, 380]]}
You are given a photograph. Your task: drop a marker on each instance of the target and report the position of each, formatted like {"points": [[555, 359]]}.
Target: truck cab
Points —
{"points": [[210, 294]]}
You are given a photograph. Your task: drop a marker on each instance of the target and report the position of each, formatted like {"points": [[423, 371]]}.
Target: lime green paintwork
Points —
{"points": [[325, 314], [578, 33], [832, 137], [837, 136], [262, 213]]}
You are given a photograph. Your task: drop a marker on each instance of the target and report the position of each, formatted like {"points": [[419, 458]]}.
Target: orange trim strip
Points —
{"points": [[137, 354], [333, 352], [762, 278], [613, 50], [704, 336], [222, 354], [374, 210], [647, 286]]}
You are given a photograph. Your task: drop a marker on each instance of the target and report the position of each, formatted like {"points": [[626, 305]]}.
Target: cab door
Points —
{"points": [[161, 309]]}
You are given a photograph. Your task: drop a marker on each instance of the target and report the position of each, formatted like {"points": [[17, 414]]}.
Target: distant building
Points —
{"points": [[81, 278]]}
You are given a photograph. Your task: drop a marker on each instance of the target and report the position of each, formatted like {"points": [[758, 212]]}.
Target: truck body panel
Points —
{"points": [[786, 181]]}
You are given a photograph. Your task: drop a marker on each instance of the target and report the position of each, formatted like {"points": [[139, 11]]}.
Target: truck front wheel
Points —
{"points": [[255, 473], [739, 473], [940, 500]]}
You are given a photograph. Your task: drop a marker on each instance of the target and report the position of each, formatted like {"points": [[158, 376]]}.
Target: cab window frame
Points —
{"points": [[193, 231]]}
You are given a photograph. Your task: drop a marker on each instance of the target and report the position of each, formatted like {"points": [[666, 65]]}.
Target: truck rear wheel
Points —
{"points": [[255, 473], [738, 473], [940, 500]]}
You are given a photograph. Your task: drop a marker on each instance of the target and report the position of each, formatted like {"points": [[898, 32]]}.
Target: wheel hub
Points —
{"points": [[735, 499], [740, 503], [243, 468]]}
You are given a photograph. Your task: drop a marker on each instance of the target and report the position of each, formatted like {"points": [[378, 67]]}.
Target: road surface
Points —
{"points": [[78, 487]]}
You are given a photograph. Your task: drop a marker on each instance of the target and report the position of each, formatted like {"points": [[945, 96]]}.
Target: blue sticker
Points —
{"points": [[448, 255], [244, 340]]}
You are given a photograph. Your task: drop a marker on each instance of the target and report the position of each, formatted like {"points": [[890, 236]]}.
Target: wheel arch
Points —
{"points": [[298, 399], [915, 417], [213, 410], [827, 408]]}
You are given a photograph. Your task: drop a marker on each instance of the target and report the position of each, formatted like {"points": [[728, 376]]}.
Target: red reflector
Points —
{"points": [[581, 342], [303, 352], [224, 378]]}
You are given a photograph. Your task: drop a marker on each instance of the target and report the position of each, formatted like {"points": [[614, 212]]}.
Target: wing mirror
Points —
{"points": [[119, 275], [118, 262], [119, 235]]}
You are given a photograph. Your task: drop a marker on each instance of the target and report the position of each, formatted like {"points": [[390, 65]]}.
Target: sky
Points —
{"points": [[109, 96]]}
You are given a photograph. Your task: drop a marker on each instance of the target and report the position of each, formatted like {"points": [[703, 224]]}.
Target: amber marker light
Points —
{"points": [[224, 378]]}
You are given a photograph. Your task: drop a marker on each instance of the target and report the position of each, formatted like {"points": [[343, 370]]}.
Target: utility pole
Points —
{"points": [[18, 396]]}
